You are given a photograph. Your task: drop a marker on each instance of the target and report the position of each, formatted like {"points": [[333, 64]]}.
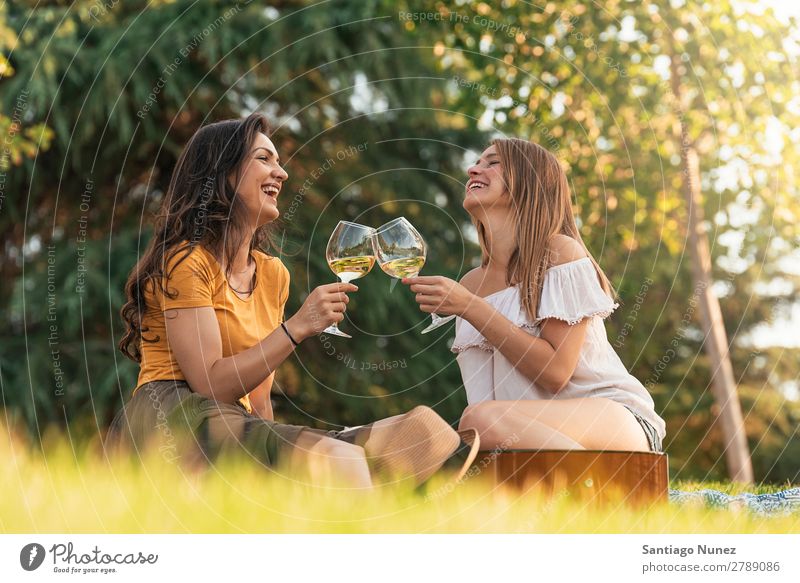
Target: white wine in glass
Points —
{"points": [[350, 255], [400, 268], [401, 251], [351, 268]]}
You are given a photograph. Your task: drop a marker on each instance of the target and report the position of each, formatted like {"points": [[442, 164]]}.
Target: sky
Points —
{"points": [[784, 7]]}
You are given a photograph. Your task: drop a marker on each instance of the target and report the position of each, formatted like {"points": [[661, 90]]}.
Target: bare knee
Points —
{"points": [[479, 416], [488, 419], [471, 418], [622, 431]]}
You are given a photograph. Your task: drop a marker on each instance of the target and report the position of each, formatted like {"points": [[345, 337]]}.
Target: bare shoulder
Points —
{"points": [[563, 249], [472, 279]]}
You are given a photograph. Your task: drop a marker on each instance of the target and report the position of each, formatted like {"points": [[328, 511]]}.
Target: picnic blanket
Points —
{"points": [[783, 502]]}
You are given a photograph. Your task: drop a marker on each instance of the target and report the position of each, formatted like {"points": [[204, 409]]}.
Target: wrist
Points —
{"points": [[296, 329], [466, 305], [472, 311]]}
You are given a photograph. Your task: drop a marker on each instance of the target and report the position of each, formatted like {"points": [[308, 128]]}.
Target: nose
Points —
{"points": [[473, 170], [280, 173]]}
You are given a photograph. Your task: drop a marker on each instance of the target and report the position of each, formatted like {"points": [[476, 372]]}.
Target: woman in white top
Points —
{"points": [[530, 340]]}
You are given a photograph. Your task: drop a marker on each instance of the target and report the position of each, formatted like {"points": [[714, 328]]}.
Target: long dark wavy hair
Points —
{"points": [[200, 208]]}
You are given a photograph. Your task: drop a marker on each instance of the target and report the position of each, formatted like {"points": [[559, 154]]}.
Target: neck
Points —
{"points": [[241, 260], [500, 240]]}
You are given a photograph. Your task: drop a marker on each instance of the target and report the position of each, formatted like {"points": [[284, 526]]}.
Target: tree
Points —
{"points": [[713, 326], [593, 84], [20, 140], [398, 91], [365, 134]]}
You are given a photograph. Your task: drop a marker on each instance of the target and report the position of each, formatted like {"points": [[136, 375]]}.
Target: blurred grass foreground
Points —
{"points": [[70, 487]]}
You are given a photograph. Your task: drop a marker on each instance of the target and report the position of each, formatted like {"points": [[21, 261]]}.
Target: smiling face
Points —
{"points": [[261, 180], [486, 188]]}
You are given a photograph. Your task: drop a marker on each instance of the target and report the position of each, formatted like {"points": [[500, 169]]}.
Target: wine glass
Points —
{"points": [[350, 255], [400, 250]]}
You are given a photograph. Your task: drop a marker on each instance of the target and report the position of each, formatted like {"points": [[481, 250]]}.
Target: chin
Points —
{"points": [[270, 212], [471, 204], [269, 217]]}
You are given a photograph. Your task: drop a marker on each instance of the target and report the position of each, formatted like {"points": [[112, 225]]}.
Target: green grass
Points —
{"points": [[57, 488]]}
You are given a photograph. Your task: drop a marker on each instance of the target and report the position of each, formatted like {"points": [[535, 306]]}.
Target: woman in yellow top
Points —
{"points": [[204, 319]]}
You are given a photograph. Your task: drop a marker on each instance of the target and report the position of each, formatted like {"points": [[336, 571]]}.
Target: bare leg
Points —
{"points": [[329, 461], [516, 430], [593, 423]]}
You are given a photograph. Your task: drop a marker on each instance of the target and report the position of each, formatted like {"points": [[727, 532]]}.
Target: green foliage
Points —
{"points": [[374, 114], [695, 440], [593, 85], [20, 140], [353, 120]]}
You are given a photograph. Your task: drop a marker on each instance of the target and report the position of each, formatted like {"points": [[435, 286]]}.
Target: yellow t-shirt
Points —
{"points": [[200, 282]]}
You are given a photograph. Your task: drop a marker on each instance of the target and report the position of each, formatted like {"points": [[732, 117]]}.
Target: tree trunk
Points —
{"points": [[723, 383]]}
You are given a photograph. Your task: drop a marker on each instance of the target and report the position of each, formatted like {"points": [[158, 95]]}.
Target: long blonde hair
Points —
{"points": [[543, 207]]}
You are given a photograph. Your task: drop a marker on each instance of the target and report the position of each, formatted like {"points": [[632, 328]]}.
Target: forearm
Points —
{"points": [[229, 379], [534, 357]]}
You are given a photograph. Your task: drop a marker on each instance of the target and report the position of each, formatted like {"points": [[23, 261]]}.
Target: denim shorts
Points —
{"points": [[650, 432]]}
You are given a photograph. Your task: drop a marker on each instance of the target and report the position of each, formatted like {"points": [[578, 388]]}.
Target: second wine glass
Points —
{"points": [[401, 252], [350, 255]]}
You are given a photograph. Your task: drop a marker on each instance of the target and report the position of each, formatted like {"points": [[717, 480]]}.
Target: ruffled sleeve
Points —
{"points": [[572, 292], [468, 337]]}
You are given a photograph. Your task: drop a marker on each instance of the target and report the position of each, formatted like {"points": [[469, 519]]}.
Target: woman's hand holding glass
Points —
{"points": [[350, 255], [401, 251], [441, 295], [324, 307]]}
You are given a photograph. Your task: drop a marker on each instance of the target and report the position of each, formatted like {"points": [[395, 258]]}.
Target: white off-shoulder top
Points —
{"points": [[570, 292]]}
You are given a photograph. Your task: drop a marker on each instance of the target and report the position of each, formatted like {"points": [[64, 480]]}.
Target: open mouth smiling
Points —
{"points": [[476, 185], [271, 190]]}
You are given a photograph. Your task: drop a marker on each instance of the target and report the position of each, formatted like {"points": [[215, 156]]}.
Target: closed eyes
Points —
{"points": [[266, 159], [268, 156]]}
